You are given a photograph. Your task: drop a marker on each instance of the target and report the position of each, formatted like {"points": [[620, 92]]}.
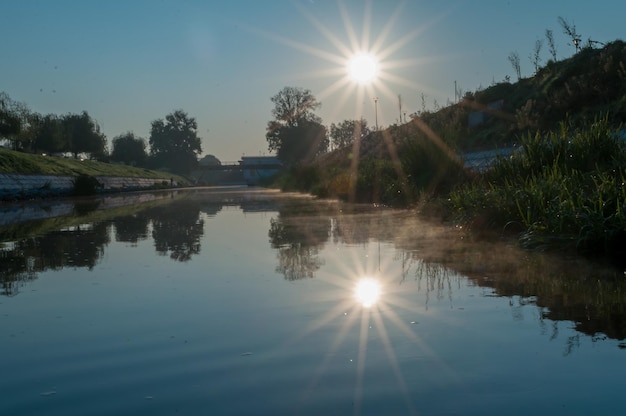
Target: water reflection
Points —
{"points": [[298, 236], [132, 228], [300, 230], [367, 291], [177, 229]]}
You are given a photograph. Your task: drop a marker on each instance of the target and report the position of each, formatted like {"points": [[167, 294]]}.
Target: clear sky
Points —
{"points": [[129, 62]]}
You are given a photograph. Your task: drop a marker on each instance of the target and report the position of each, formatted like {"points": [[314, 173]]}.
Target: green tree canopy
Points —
{"points": [[296, 133], [129, 149], [302, 143], [47, 133], [294, 105], [346, 132], [82, 135], [13, 118], [174, 142]]}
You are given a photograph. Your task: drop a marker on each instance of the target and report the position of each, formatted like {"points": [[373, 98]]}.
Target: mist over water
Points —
{"points": [[244, 301]]}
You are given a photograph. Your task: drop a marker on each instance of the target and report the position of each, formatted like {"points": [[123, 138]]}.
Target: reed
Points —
{"points": [[567, 188]]}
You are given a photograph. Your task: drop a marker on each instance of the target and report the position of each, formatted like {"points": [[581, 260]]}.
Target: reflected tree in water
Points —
{"points": [[15, 270], [48, 251], [177, 229], [79, 246], [297, 262], [564, 291], [84, 244], [83, 208], [298, 241], [131, 228]]}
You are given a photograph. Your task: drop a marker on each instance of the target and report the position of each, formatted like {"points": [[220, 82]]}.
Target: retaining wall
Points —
{"points": [[19, 186]]}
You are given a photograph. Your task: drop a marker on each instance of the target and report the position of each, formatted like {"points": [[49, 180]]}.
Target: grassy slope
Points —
{"points": [[28, 164], [591, 84]]}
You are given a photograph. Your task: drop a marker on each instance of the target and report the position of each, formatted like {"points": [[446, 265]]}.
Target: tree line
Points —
{"points": [[296, 134], [173, 143], [37, 133]]}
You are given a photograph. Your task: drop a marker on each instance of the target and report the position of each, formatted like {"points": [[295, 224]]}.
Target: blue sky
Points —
{"points": [[130, 62]]}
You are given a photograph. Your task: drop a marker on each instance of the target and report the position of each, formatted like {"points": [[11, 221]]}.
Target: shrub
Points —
{"points": [[86, 185]]}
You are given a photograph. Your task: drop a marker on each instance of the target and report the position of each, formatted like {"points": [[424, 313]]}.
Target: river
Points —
{"points": [[242, 301]]}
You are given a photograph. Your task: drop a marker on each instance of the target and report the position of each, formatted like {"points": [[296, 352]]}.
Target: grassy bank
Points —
{"points": [[30, 164], [84, 172], [561, 190]]}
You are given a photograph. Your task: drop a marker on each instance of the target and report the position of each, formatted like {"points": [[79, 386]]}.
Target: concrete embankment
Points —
{"points": [[16, 213], [15, 186]]}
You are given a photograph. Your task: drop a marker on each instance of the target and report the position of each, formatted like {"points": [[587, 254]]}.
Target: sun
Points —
{"points": [[363, 62], [363, 68], [366, 68], [367, 292]]}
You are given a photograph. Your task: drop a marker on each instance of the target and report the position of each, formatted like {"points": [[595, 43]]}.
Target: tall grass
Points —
{"points": [[566, 188]]}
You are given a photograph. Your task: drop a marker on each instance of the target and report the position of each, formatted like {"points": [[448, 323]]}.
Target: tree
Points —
{"points": [[129, 149], [535, 58], [82, 135], [296, 134], [570, 30], [346, 132], [48, 133], [551, 45], [174, 142], [294, 105], [302, 143], [515, 63], [177, 230], [11, 118]]}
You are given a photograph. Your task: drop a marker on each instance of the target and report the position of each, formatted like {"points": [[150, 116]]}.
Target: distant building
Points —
{"points": [[209, 160], [259, 167]]}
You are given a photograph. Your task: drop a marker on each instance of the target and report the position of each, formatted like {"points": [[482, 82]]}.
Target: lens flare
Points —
{"points": [[367, 292], [363, 68]]}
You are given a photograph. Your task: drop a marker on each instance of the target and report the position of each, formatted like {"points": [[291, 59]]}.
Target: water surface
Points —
{"points": [[242, 302]]}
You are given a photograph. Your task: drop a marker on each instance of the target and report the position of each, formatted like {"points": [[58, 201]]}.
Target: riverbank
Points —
{"points": [[14, 186], [561, 190], [29, 176]]}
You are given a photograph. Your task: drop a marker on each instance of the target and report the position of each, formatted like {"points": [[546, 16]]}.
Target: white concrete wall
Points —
{"points": [[15, 185]]}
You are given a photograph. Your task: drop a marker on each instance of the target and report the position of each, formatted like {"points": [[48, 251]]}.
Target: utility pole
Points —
{"points": [[376, 111], [400, 107]]}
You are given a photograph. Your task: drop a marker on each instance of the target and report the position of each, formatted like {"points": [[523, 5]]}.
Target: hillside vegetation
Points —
{"points": [[564, 187], [590, 84]]}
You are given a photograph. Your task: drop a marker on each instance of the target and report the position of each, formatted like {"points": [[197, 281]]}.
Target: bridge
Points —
{"points": [[249, 170], [238, 166]]}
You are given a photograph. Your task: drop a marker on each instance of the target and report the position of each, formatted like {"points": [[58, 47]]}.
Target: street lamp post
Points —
{"points": [[376, 110]]}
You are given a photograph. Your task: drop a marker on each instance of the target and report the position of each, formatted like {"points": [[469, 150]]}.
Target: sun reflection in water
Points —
{"points": [[367, 291]]}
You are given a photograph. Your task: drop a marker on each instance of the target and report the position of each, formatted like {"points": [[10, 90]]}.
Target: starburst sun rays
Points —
{"points": [[362, 69]]}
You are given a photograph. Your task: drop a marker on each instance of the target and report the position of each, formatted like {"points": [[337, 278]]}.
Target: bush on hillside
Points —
{"points": [[86, 185]]}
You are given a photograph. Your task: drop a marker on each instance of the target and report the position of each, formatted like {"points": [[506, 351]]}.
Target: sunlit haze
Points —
{"points": [[363, 68], [367, 291], [128, 63]]}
